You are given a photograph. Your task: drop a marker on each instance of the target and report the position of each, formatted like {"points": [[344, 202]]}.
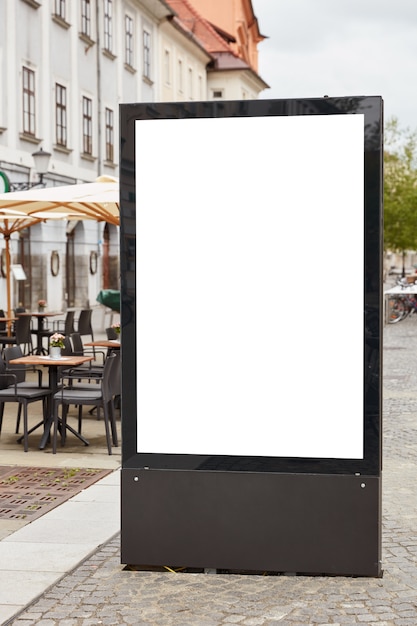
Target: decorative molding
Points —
{"points": [[30, 138], [87, 40], [64, 149], [147, 80], [88, 157], [130, 68], [32, 3], [60, 21], [108, 54]]}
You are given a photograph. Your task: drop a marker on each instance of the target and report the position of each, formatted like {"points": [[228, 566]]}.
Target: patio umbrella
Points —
{"points": [[109, 298], [98, 201], [11, 222]]}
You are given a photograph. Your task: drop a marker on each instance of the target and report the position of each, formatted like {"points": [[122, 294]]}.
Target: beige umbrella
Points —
{"points": [[98, 201]]}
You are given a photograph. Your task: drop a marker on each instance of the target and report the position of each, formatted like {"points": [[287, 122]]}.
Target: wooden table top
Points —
{"points": [[35, 359], [103, 343]]}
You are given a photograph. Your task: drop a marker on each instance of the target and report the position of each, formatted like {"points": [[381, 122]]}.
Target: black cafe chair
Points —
{"points": [[100, 395], [19, 371], [21, 336], [11, 392], [111, 334], [89, 370], [3, 325], [66, 326], [84, 326]]}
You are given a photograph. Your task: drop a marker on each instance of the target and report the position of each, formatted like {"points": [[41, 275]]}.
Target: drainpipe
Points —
{"points": [[99, 158]]}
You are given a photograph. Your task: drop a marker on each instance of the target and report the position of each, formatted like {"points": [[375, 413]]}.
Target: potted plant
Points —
{"points": [[56, 343], [41, 305], [116, 328]]}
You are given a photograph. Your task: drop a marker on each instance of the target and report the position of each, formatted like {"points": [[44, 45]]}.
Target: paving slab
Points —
{"points": [[40, 553], [102, 590]]}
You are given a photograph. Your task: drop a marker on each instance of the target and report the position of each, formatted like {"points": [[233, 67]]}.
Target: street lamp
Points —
{"points": [[41, 160]]}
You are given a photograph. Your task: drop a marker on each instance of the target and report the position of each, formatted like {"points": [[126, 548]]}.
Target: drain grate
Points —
{"points": [[26, 493]]}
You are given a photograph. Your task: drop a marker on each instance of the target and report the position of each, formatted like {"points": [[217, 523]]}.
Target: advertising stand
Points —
{"points": [[251, 387]]}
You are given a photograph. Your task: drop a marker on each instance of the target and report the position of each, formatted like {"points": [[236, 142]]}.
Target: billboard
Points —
{"points": [[251, 244]]}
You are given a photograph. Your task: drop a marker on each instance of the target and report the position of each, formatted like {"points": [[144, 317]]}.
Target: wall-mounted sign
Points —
{"points": [[93, 262], [4, 183], [55, 262], [18, 272], [3, 263]]}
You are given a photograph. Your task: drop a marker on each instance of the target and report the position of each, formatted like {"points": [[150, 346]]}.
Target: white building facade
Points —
{"points": [[65, 66]]}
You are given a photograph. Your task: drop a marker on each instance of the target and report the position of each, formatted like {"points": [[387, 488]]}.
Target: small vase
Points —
{"points": [[55, 352], [41, 309]]}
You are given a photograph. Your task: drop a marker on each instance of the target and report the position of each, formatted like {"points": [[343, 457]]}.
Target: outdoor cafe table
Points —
{"points": [[8, 321], [103, 343], [53, 365], [40, 316]]}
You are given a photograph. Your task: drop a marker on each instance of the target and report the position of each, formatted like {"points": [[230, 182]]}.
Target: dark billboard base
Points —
{"points": [[294, 523]]}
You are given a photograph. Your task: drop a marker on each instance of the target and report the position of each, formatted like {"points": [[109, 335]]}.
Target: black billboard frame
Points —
{"points": [[341, 490]]}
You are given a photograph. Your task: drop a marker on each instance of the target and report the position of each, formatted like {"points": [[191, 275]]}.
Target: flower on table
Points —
{"points": [[116, 327], [57, 340], [42, 303]]}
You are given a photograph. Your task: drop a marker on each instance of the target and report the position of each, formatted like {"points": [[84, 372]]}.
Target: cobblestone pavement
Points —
{"points": [[99, 591]]}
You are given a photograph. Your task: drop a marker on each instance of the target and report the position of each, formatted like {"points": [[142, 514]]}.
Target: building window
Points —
{"points": [[217, 94], [108, 25], [87, 126], [190, 83], [61, 114], [60, 9], [200, 87], [146, 54], [109, 135], [128, 41], [29, 119], [180, 77], [167, 67], [86, 18]]}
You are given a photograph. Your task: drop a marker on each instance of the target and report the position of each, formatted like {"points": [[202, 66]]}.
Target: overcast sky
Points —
{"points": [[341, 48]]}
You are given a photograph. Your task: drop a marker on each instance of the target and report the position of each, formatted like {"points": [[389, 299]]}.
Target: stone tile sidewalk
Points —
{"points": [[100, 591]]}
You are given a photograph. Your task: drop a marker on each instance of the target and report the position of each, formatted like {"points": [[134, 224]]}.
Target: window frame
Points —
{"points": [[60, 9], [129, 40], [147, 52], [87, 125], [61, 117], [109, 133], [191, 83], [86, 18], [180, 69], [108, 25], [29, 101], [167, 66]]}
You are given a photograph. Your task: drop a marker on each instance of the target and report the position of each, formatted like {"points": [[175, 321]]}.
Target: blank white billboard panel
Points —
{"points": [[250, 238]]}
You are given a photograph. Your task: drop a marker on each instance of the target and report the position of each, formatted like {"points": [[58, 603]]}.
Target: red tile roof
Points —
{"points": [[191, 20]]}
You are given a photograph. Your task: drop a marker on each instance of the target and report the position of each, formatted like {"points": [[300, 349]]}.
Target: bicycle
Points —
{"points": [[400, 306]]}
